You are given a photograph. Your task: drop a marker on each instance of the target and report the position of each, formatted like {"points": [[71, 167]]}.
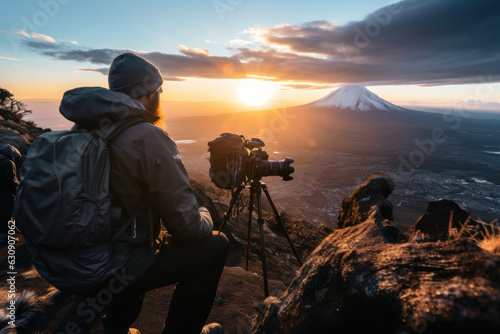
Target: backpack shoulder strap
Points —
{"points": [[122, 127], [109, 139]]}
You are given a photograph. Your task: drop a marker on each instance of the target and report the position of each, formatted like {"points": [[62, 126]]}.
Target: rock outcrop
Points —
{"points": [[365, 278], [19, 133], [444, 220], [372, 194]]}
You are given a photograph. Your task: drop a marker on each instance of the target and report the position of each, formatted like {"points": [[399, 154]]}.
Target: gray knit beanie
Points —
{"points": [[133, 75]]}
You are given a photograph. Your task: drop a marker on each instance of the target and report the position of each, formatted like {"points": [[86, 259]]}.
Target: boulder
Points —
{"points": [[20, 134], [15, 139], [364, 278], [444, 220], [371, 194]]}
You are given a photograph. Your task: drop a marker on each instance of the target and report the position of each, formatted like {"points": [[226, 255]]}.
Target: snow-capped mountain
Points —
{"points": [[356, 98]]}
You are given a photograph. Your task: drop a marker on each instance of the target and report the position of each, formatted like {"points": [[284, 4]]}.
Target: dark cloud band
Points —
{"points": [[425, 42]]}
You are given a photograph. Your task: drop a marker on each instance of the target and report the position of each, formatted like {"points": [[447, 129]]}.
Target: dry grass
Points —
{"points": [[420, 237], [464, 231], [32, 273], [486, 235], [490, 240], [30, 301]]}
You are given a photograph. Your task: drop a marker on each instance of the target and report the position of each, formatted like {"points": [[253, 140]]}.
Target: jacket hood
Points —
{"points": [[89, 106], [9, 152]]}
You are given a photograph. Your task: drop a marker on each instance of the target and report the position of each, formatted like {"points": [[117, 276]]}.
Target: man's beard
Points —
{"points": [[154, 108]]}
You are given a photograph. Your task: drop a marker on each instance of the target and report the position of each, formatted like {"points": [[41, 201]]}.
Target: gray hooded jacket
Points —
{"points": [[146, 168]]}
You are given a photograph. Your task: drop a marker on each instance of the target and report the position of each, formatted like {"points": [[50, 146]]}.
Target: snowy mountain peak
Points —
{"points": [[356, 98]]}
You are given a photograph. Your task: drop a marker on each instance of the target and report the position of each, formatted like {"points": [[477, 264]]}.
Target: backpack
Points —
{"points": [[228, 160], [63, 207]]}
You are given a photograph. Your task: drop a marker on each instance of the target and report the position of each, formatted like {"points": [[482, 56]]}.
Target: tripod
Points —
{"points": [[256, 188]]}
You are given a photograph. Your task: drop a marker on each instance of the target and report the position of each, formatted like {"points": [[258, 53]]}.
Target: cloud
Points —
{"points": [[305, 86], [42, 37], [478, 103], [64, 52], [169, 78], [7, 58], [103, 70], [415, 41], [240, 42], [21, 32], [37, 36], [424, 42], [40, 46], [97, 56], [70, 42], [193, 52]]}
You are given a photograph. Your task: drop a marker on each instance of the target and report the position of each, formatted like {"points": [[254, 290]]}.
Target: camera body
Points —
{"points": [[234, 161]]}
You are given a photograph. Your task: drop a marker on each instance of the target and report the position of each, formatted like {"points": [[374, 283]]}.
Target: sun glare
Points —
{"points": [[255, 92]]}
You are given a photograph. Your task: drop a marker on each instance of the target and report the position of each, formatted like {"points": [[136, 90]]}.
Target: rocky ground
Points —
{"points": [[18, 132], [366, 275]]}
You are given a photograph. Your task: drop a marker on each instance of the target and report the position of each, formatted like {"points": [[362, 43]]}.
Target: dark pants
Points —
{"points": [[195, 268]]}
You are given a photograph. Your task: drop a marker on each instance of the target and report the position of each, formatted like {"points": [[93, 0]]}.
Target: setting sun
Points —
{"points": [[255, 92]]}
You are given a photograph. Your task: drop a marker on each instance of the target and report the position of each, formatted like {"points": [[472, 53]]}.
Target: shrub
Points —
{"points": [[10, 108]]}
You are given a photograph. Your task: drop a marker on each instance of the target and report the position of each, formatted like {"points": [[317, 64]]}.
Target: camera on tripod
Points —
{"points": [[235, 160]]}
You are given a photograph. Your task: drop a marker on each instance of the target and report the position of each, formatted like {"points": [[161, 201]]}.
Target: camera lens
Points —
{"points": [[278, 168]]}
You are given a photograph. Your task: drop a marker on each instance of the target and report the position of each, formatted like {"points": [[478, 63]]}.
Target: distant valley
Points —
{"points": [[340, 140], [428, 155]]}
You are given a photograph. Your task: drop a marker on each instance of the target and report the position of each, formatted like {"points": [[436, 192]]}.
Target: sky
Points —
{"points": [[414, 52]]}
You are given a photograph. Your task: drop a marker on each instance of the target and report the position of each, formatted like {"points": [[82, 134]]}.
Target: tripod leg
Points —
{"points": [[280, 221], [227, 215], [262, 244], [250, 210]]}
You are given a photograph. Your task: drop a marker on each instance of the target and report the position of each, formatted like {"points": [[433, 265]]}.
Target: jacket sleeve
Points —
{"points": [[170, 190]]}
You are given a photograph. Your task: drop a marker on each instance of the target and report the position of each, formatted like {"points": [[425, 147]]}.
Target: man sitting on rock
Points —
{"points": [[147, 171]]}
